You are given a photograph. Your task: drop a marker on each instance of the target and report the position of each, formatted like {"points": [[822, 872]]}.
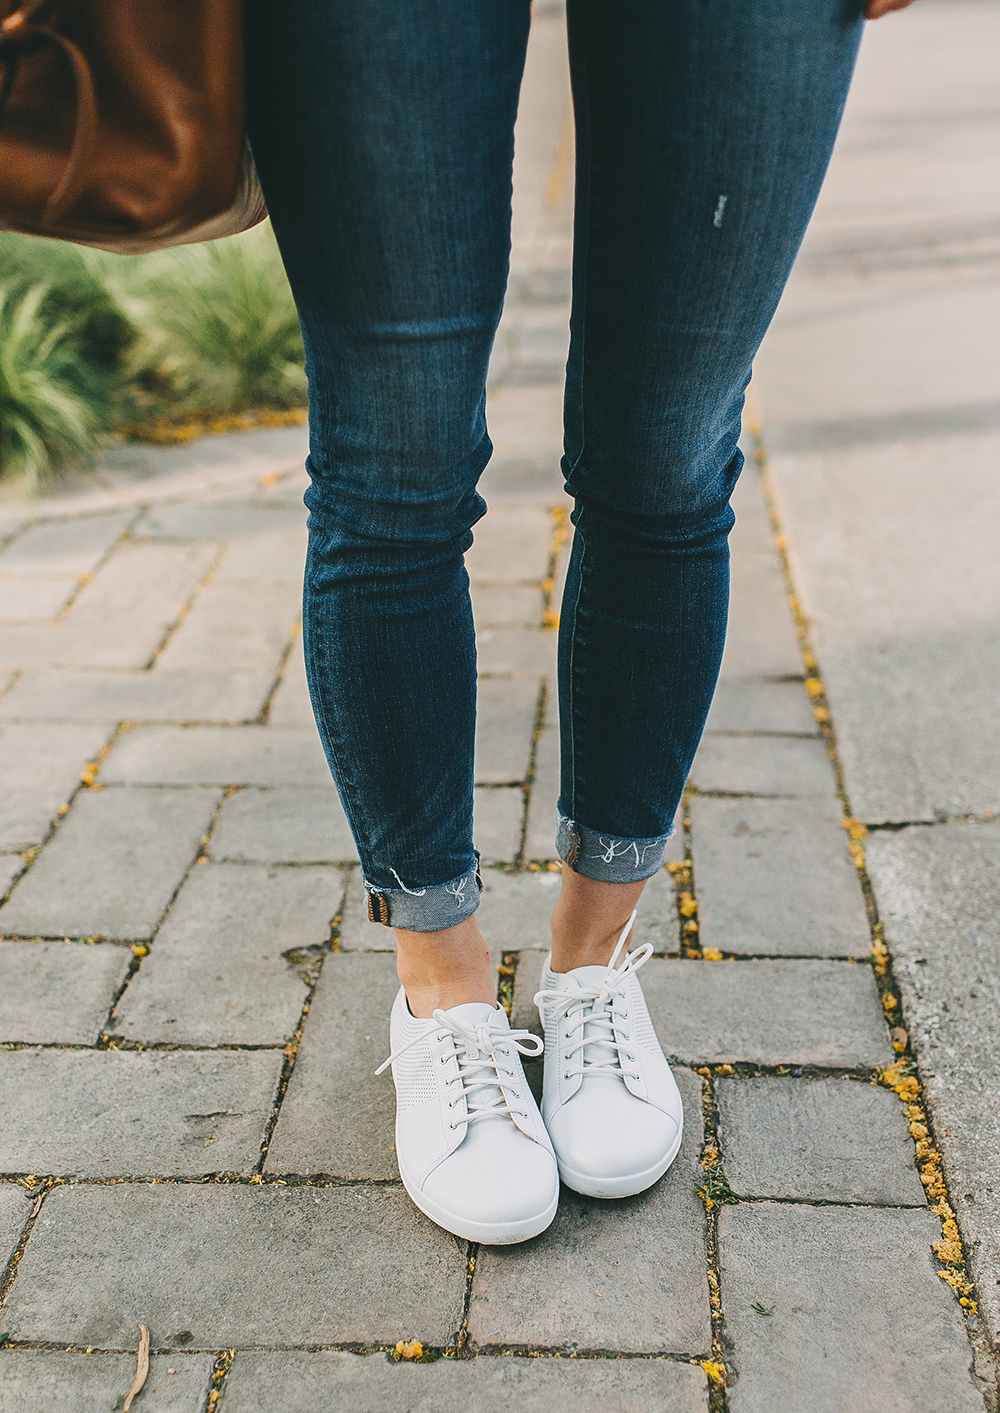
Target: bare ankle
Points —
{"points": [[588, 920], [450, 967]]}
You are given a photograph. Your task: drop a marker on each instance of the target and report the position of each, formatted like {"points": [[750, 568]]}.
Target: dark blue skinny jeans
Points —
{"points": [[383, 131]]}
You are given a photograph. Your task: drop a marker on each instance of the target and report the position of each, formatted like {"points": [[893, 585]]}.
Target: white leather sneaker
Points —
{"points": [[471, 1146], [609, 1100]]}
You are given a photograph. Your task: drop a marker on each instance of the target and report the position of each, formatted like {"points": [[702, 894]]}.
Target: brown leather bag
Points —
{"points": [[122, 122]]}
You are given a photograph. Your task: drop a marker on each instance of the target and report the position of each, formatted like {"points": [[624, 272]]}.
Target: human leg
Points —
{"points": [[384, 138], [383, 134], [703, 133]]}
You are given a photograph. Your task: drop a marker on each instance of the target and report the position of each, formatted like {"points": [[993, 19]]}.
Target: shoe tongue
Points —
{"points": [[473, 1013], [580, 977]]}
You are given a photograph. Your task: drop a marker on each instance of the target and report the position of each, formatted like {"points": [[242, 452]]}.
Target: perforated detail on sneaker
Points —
{"points": [[414, 1074], [642, 1029]]}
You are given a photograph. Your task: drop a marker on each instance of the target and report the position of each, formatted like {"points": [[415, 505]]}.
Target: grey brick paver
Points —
{"points": [[121, 617], [58, 993], [627, 1275], [525, 476], [283, 825], [337, 1117], [290, 705], [286, 487], [10, 866], [331, 1382], [26, 598], [64, 1382], [543, 275], [123, 613], [206, 755], [356, 933], [761, 640], [767, 1012], [220, 518], [217, 974], [508, 607], [540, 841], [820, 1140], [774, 879], [13, 519], [137, 696], [511, 545], [498, 817], [526, 425], [40, 766], [746, 705], [206, 468], [504, 728], [938, 892], [531, 344], [517, 652], [270, 555], [855, 1297], [15, 1209], [228, 1264], [241, 625], [514, 908], [65, 546], [106, 1113], [763, 765], [112, 866], [658, 922]]}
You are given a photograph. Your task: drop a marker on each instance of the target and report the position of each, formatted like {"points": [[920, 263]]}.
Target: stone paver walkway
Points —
{"points": [[191, 1134]]}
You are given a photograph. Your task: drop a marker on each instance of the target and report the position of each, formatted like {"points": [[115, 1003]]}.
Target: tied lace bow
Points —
{"points": [[594, 1026], [479, 1051]]}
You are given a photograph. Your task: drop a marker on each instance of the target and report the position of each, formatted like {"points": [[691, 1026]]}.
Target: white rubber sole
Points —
{"points": [[489, 1233], [626, 1185]]}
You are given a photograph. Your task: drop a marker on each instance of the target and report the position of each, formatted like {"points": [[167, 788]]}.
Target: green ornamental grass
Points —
{"points": [[91, 343], [46, 415], [228, 315]]}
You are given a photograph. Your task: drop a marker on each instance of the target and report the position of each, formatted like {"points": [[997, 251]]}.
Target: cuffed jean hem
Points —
{"points": [[605, 857], [426, 909]]}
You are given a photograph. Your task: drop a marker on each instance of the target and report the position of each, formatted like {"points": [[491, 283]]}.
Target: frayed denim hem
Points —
{"points": [[426, 909], [605, 857]]}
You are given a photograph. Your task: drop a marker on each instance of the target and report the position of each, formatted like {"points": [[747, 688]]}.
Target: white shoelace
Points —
{"points": [[596, 1016], [479, 1052]]}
